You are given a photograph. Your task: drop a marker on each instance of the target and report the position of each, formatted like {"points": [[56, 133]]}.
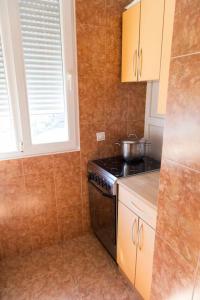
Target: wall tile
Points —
{"points": [[179, 210], [68, 190], [186, 37], [181, 137], [67, 163], [37, 165], [86, 213], [114, 11], [89, 144], [116, 100], [92, 99], [72, 225], [173, 277], [15, 237], [93, 13], [44, 230], [12, 198], [40, 194], [14, 224], [113, 51], [10, 168], [136, 127], [136, 102], [68, 194], [91, 50]]}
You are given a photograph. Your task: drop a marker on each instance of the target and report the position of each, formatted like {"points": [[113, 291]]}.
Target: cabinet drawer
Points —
{"points": [[138, 206]]}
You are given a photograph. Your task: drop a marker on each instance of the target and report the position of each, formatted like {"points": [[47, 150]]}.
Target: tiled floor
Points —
{"points": [[78, 269]]}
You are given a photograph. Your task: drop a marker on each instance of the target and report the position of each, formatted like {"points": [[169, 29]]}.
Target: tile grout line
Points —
{"points": [[81, 185], [25, 189], [180, 165], [158, 235], [56, 199], [185, 55]]}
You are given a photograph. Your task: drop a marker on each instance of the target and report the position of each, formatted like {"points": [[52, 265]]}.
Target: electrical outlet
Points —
{"points": [[100, 136]]}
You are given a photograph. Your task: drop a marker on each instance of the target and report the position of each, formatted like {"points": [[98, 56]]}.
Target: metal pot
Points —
{"points": [[133, 148]]}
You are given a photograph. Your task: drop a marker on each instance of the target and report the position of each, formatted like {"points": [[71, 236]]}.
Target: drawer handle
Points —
{"points": [[133, 237], [140, 237], [136, 206]]}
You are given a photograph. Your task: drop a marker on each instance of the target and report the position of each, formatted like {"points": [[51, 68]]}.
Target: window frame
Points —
{"points": [[10, 29]]}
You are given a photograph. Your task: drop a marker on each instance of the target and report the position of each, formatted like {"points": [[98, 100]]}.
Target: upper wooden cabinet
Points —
{"points": [[150, 46], [141, 56], [130, 42]]}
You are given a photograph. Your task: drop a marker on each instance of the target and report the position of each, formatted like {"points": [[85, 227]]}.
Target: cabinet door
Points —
{"points": [[130, 43], [144, 265], [126, 241], [151, 28]]}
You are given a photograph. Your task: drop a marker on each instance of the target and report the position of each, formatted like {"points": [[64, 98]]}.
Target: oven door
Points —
{"points": [[103, 217]]}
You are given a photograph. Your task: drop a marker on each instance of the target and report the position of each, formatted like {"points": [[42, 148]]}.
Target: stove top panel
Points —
{"points": [[119, 168]]}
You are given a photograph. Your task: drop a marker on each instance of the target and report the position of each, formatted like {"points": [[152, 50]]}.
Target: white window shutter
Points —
{"points": [[4, 99], [7, 132], [40, 21], [42, 47]]}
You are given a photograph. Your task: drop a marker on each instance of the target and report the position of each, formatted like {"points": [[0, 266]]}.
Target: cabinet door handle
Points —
{"points": [[140, 237], [141, 62], [135, 63], [133, 232]]}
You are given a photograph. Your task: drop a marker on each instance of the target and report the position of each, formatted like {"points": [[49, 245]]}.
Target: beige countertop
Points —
{"points": [[144, 185]]}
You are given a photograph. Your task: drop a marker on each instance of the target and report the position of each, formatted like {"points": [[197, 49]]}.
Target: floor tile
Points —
{"points": [[79, 269]]}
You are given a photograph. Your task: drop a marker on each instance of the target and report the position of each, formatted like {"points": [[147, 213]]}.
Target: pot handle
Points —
{"points": [[118, 143], [133, 134]]}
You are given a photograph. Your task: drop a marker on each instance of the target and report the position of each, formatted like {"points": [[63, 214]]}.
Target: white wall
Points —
{"points": [[154, 123]]}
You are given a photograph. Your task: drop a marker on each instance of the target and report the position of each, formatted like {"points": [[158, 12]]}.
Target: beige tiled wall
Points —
{"points": [[178, 230], [44, 199]]}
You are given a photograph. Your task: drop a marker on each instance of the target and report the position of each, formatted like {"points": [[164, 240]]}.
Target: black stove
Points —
{"points": [[119, 168], [102, 176], [105, 172]]}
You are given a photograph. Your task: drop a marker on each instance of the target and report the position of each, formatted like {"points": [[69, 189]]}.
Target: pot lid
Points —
{"points": [[133, 141], [130, 141]]}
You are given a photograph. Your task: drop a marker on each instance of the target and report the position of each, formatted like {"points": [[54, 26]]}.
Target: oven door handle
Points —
{"points": [[101, 190]]}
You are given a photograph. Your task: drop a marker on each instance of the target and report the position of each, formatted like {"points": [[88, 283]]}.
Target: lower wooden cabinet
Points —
{"points": [[135, 248], [144, 263], [127, 243]]}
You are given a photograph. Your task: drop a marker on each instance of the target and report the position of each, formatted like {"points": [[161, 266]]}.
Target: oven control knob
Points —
{"points": [[109, 187]]}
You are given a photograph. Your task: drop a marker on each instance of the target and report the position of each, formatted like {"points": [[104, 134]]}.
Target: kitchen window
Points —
{"points": [[38, 79], [7, 134]]}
